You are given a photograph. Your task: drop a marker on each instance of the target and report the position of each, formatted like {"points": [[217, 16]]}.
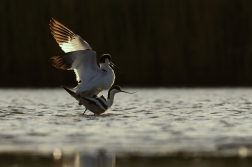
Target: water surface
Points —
{"points": [[153, 121]]}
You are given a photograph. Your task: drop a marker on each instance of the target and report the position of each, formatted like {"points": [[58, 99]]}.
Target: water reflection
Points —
{"points": [[100, 160], [57, 154], [103, 159]]}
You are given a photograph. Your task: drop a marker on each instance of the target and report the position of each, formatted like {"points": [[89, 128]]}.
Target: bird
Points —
{"points": [[79, 56], [97, 105]]}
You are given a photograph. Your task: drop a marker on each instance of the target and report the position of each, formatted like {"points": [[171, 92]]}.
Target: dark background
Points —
{"points": [[153, 42]]}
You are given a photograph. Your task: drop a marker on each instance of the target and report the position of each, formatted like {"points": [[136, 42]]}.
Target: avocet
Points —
{"points": [[79, 56], [97, 105]]}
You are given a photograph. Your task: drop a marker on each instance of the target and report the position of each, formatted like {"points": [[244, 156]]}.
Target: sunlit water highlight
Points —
{"points": [[159, 121]]}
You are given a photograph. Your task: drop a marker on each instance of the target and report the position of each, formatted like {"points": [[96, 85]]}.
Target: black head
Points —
{"points": [[115, 87], [104, 57], [112, 88]]}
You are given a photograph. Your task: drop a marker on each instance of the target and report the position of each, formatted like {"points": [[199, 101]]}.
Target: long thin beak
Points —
{"points": [[128, 92], [112, 65]]}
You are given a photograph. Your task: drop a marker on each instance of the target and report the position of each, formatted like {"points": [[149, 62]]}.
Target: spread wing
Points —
{"points": [[83, 62], [67, 40]]}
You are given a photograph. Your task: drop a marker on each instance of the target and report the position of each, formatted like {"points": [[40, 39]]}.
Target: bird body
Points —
{"points": [[80, 57], [97, 105]]}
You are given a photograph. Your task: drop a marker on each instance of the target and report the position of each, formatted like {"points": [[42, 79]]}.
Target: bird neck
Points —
{"points": [[110, 98]]}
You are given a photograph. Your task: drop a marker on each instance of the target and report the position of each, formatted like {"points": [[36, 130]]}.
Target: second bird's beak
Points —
{"points": [[127, 92]]}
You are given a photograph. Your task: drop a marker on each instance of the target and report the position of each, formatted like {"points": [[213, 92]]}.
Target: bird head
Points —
{"points": [[116, 89], [106, 58]]}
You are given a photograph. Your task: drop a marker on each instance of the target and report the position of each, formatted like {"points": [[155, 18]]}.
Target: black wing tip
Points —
{"points": [[89, 101]]}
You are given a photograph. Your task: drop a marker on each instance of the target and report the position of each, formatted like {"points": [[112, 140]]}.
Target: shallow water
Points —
{"points": [[152, 121]]}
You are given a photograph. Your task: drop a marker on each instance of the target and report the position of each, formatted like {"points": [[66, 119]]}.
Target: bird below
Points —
{"points": [[79, 56], [97, 105]]}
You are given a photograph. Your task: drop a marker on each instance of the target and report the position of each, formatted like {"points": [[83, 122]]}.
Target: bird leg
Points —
{"points": [[84, 111]]}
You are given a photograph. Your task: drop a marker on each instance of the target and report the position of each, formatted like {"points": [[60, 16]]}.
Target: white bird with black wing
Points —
{"points": [[80, 57], [97, 105]]}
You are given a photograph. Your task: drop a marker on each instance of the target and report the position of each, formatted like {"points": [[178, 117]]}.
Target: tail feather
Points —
{"points": [[72, 93], [68, 90]]}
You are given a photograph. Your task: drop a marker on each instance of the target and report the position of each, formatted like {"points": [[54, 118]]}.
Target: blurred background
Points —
{"points": [[153, 42]]}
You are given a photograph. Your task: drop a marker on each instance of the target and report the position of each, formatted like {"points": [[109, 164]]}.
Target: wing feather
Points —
{"points": [[67, 40], [83, 63], [97, 101]]}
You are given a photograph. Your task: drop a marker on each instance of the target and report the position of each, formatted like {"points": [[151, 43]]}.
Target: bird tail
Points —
{"points": [[72, 93]]}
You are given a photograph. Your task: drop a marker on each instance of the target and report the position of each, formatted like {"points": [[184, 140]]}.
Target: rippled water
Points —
{"points": [[155, 121]]}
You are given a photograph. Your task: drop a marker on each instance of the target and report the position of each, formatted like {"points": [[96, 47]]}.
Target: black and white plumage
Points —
{"points": [[97, 105], [80, 57]]}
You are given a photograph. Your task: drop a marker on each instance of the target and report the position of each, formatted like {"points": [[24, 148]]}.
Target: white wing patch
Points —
{"points": [[77, 75], [67, 40], [83, 62]]}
